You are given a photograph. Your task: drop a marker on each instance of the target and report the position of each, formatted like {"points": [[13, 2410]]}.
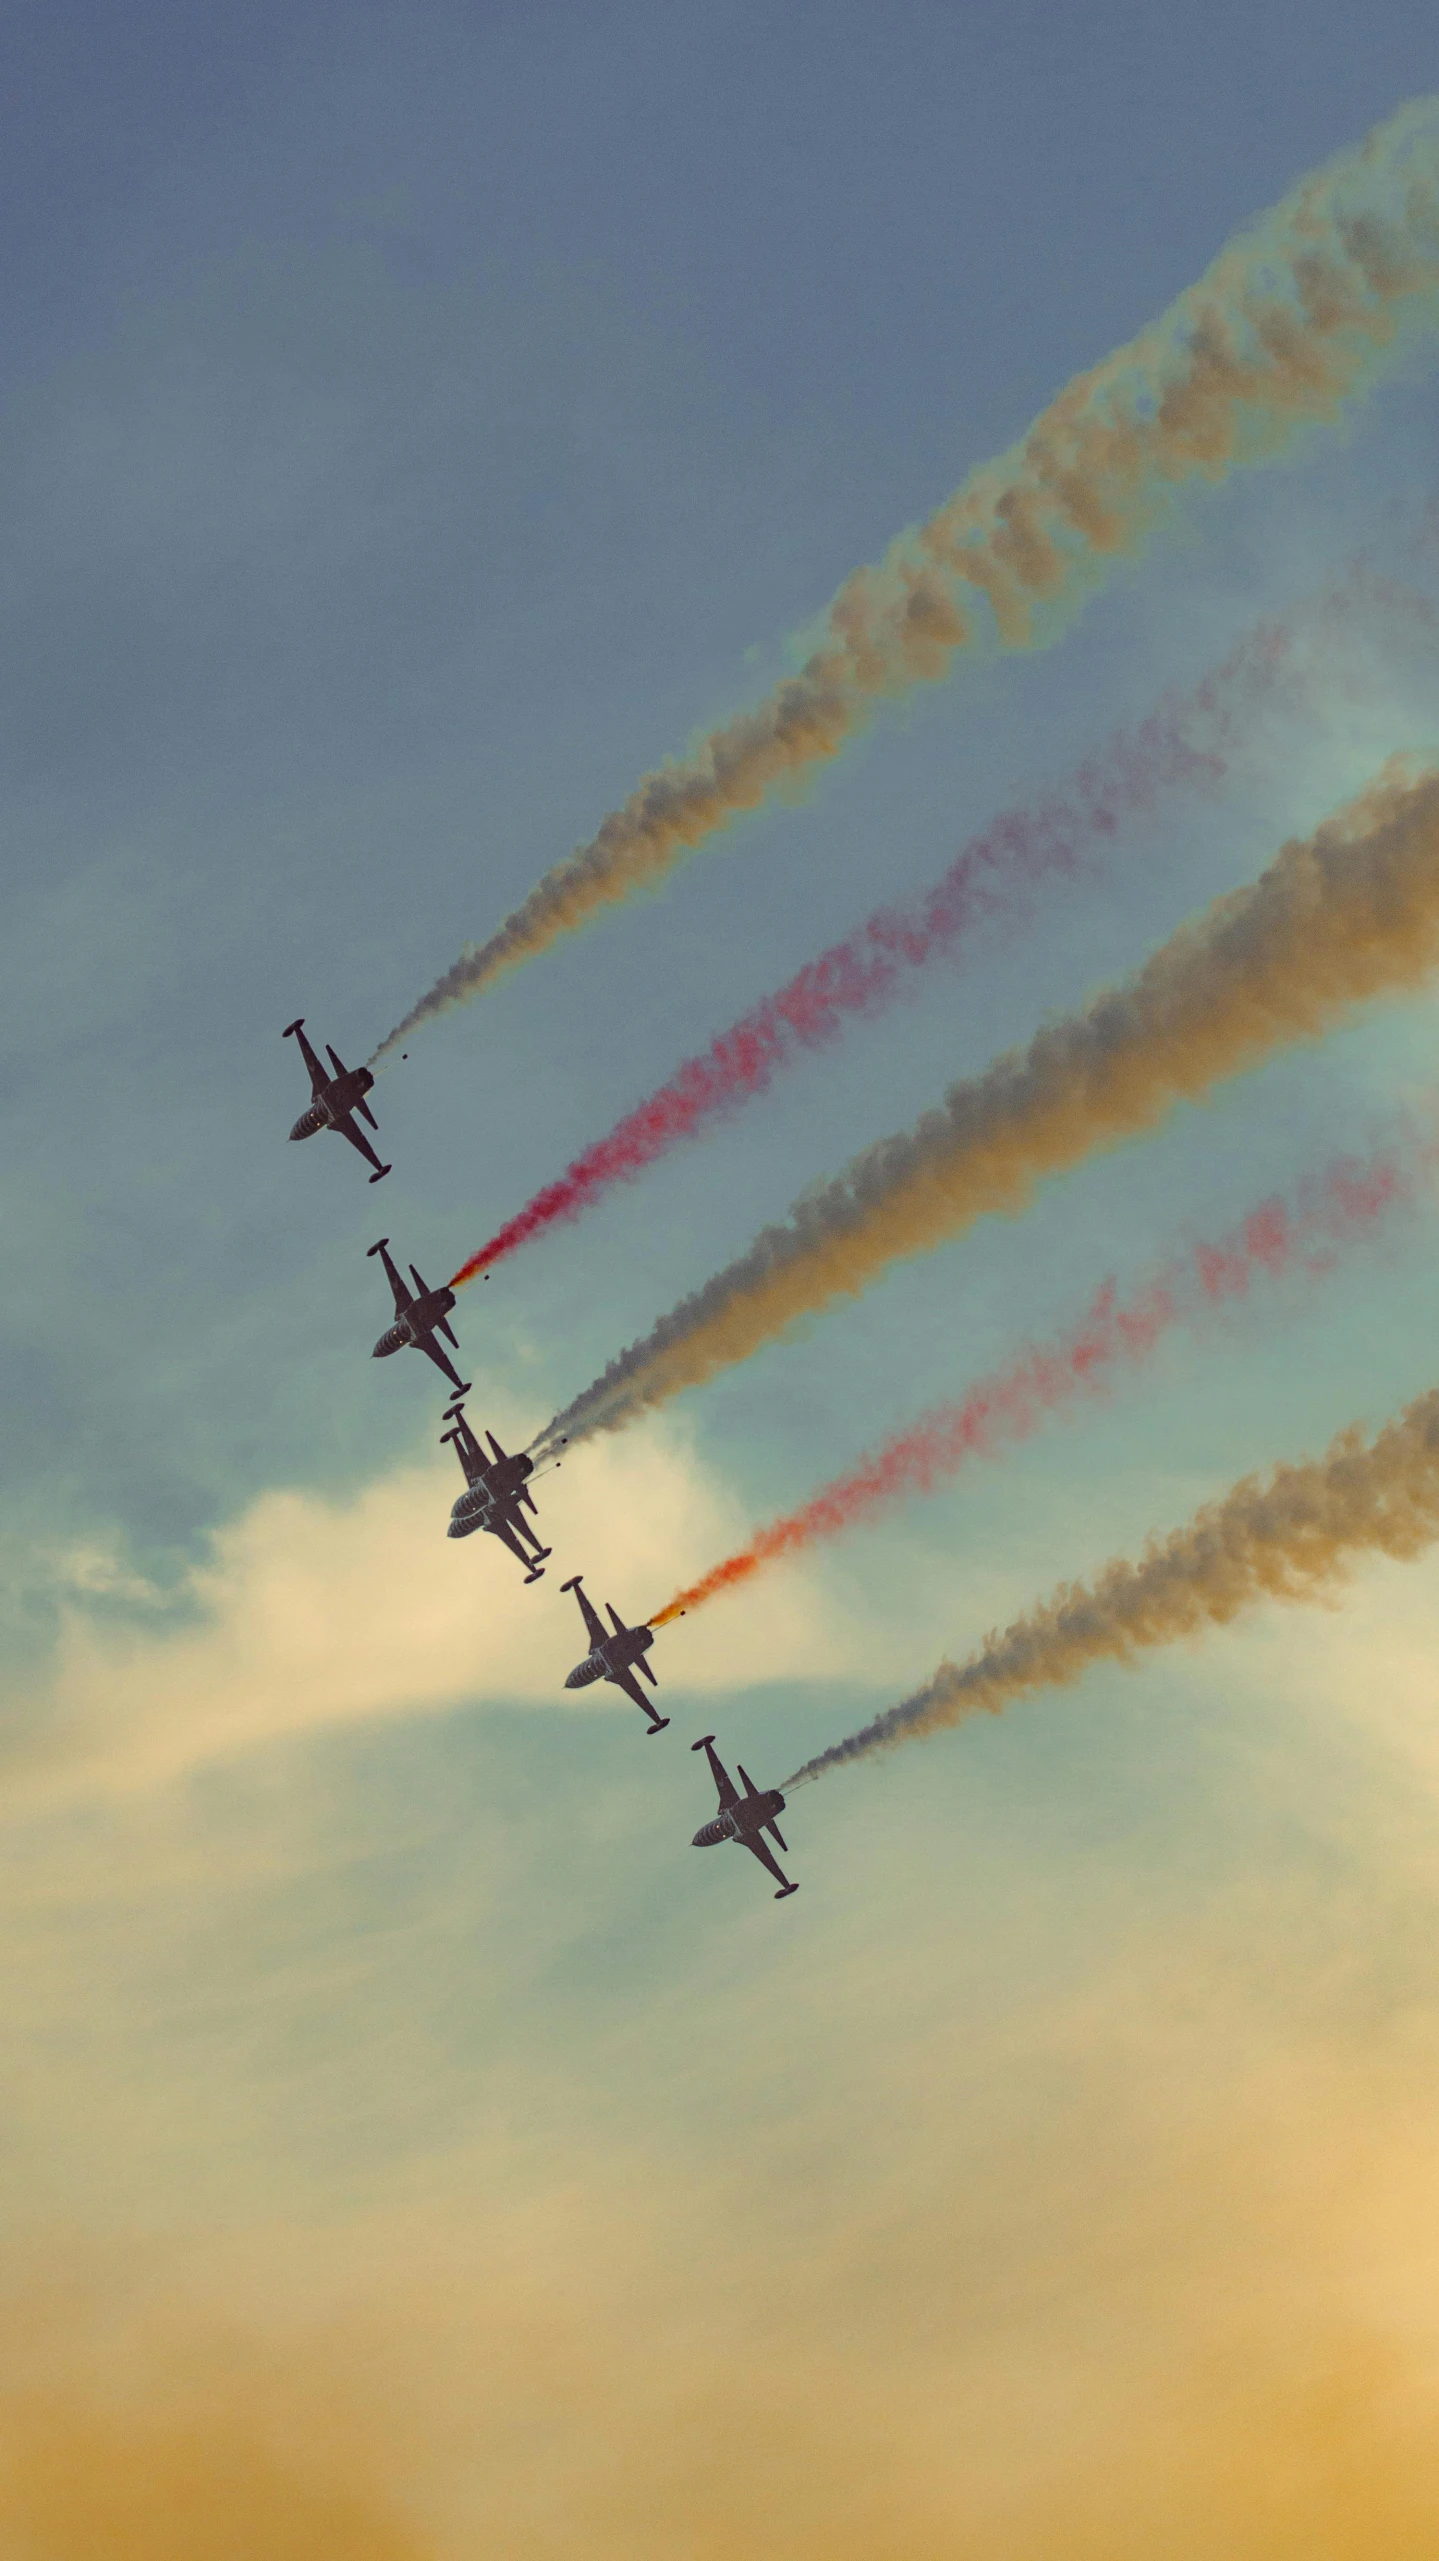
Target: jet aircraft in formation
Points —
{"points": [[616, 1654], [496, 1497], [334, 1100], [743, 1818], [420, 1314], [494, 1492]]}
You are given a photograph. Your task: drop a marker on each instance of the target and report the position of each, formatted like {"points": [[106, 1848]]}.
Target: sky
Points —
{"points": [[419, 424]]}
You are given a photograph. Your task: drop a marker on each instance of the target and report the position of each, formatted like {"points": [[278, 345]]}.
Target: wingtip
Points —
{"points": [[699, 1746], [378, 1246], [295, 1026], [573, 1584]]}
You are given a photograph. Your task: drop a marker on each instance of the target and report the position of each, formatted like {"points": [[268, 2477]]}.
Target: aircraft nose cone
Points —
{"points": [[575, 1680]]}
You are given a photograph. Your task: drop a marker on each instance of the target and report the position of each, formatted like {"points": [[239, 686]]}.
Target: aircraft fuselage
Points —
{"points": [[615, 1655], [479, 1509], [419, 1318], [500, 1482], [333, 1102], [735, 1821]]}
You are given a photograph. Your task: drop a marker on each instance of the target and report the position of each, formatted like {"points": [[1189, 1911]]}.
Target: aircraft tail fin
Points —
{"points": [[336, 1061], [495, 1446], [449, 1335], [618, 1622], [652, 1677], [772, 1826], [363, 1108], [749, 1782], [415, 1277]]}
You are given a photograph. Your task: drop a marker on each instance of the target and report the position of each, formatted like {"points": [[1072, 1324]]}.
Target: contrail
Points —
{"points": [[1277, 1238], [1187, 740], [1296, 316], [1339, 917], [1290, 1537]]}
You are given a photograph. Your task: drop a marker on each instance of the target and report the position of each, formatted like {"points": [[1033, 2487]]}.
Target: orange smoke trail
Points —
{"points": [[1340, 917], [1292, 1537], [1273, 1240], [1293, 318]]}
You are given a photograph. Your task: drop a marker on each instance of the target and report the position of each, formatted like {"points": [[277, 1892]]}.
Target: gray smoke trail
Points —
{"points": [[1340, 917], [1291, 1537], [1294, 317]]}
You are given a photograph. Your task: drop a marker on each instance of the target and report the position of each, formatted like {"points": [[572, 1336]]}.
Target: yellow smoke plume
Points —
{"points": [[1294, 317], [1339, 917], [1290, 1537]]}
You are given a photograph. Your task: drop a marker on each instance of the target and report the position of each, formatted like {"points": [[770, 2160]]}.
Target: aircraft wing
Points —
{"points": [[442, 1360], [728, 1792], [506, 1510], [398, 1291], [318, 1079], [624, 1679], [594, 1625], [765, 1857], [357, 1138], [462, 1440], [502, 1530]]}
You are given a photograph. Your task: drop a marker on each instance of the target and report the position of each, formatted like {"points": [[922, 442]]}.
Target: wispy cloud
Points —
{"points": [[311, 1612]]}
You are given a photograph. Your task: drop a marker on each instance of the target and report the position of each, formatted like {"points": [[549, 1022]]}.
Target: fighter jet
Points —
{"points": [[418, 1319], [743, 1818], [615, 1654], [336, 1099], [494, 1491]]}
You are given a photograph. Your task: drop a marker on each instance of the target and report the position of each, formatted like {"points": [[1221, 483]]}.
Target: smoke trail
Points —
{"points": [[1187, 739], [1347, 914], [1273, 1240], [1294, 317], [1291, 1537]]}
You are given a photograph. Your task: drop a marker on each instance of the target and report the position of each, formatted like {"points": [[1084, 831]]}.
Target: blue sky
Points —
{"points": [[416, 425]]}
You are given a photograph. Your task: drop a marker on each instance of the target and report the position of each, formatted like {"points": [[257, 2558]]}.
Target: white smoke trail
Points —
{"points": [[1339, 917], [1296, 316], [1292, 1536]]}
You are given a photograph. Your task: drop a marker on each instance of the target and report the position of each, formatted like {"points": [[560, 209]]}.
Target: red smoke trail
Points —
{"points": [[1184, 740], [1328, 1212]]}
